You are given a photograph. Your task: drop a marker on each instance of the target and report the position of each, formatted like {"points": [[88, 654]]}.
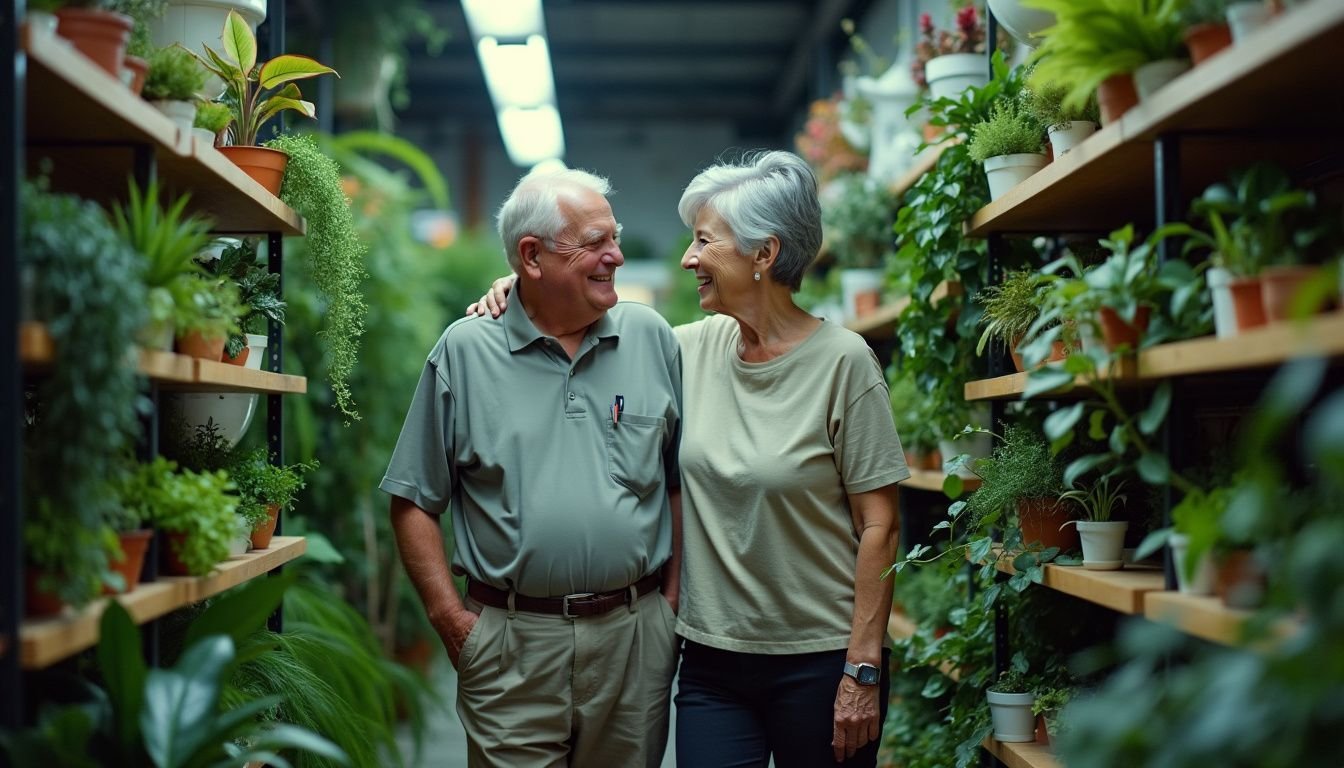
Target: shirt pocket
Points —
{"points": [[635, 452]]}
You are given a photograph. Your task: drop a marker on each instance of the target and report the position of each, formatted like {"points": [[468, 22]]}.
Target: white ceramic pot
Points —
{"points": [[242, 539], [1024, 24], [950, 74], [198, 23], [1103, 544], [41, 25], [229, 411], [854, 282], [1202, 582], [1007, 171], [181, 112], [1011, 713], [1149, 78], [1068, 135], [1224, 312], [256, 346], [1245, 18], [203, 136]]}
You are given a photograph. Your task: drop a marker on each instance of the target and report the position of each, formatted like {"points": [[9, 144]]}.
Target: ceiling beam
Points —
{"points": [[817, 32]]}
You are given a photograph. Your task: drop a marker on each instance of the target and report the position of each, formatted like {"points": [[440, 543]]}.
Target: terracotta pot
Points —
{"points": [[1041, 519], [1247, 302], [261, 537], [265, 166], [1278, 287], [140, 68], [99, 35], [134, 544], [1042, 737], [1240, 580], [196, 345], [1116, 331], [1204, 40], [171, 563], [241, 359], [36, 602], [1057, 352], [866, 302], [1116, 95]]}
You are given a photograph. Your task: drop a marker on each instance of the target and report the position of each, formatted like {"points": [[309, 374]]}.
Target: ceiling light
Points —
{"points": [[531, 135], [518, 75], [509, 19]]}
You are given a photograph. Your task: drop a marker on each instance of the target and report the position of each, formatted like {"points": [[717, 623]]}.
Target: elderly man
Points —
{"points": [[551, 435]]}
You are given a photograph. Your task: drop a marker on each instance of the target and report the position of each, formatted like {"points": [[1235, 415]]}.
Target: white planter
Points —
{"points": [[856, 281], [203, 136], [1066, 136], [1024, 24], [242, 539], [215, 249], [950, 74], [1103, 544], [231, 412], [197, 23], [1149, 78], [1202, 582], [1245, 18], [1011, 713], [1224, 311], [256, 345], [41, 25], [181, 112], [1007, 171]]}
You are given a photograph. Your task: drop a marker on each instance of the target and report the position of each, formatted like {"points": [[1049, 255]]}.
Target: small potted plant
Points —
{"points": [[1247, 16], [207, 311], [1103, 538], [1021, 475], [1011, 146], [270, 487], [1010, 700], [1011, 309], [858, 229], [1206, 30], [173, 85], [127, 517], [1048, 704], [1197, 521], [195, 509], [1126, 285], [99, 34], [211, 120], [143, 13], [949, 62], [258, 293], [1066, 126], [257, 92]]}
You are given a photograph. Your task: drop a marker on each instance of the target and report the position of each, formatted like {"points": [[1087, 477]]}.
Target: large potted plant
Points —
{"points": [[1103, 538], [173, 84], [949, 62], [1011, 146], [269, 486], [258, 92]]}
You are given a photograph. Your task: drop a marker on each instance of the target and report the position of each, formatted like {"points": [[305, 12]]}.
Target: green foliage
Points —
{"points": [[1204, 12], [144, 12], [1008, 131], [1010, 307], [254, 91], [258, 291], [911, 412], [1098, 501], [927, 598], [1045, 102], [858, 222], [167, 240], [1095, 39], [313, 187], [1021, 467], [265, 483], [206, 305], [1050, 700], [1012, 681], [174, 75], [213, 116], [201, 447], [198, 504], [83, 419]]}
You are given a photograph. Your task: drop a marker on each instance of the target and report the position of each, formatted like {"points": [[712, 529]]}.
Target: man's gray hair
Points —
{"points": [[533, 207], [764, 194]]}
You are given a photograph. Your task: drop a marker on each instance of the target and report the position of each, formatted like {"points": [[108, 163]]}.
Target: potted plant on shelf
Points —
{"points": [[211, 120], [1022, 475], [1103, 538], [258, 293], [256, 93], [270, 487], [143, 13], [99, 34], [194, 509], [193, 23], [1206, 30], [1065, 126], [1010, 700], [857, 224], [206, 315], [126, 517], [949, 62], [173, 84], [1197, 521], [1126, 285], [1048, 704], [1011, 146], [1011, 309], [1245, 17]]}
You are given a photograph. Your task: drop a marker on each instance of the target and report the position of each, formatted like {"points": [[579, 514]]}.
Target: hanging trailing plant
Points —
{"points": [[336, 256]]}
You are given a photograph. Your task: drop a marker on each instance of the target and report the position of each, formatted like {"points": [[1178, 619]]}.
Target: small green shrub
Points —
{"points": [[1021, 466], [261, 483], [198, 504], [1006, 132], [173, 75], [1045, 103], [1010, 307], [213, 116], [1012, 681]]}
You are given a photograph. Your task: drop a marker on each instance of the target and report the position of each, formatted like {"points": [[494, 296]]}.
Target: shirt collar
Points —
{"points": [[521, 331]]}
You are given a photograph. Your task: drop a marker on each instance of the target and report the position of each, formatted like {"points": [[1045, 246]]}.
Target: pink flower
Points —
{"points": [[967, 20], [925, 23]]}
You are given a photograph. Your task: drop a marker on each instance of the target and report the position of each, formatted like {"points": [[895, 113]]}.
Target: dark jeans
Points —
{"points": [[736, 710]]}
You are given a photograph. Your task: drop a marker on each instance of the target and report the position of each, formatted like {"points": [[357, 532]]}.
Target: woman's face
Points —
{"points": [[723, 275]]}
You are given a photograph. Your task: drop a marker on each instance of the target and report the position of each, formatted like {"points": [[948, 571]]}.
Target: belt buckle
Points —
{"points": [[564, 603]]}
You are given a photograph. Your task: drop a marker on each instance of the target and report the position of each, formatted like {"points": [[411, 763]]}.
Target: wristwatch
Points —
{"points": [[863, 674]]}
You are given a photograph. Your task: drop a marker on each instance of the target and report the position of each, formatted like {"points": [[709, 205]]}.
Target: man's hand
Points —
{"points": [[495, 300], [455, 633], [856, 718]]}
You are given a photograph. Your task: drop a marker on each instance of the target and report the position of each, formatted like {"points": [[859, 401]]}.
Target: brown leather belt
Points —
{"points": [[570, 606]]}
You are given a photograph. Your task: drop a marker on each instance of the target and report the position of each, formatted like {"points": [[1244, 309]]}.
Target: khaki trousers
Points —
{"points": [[546, 691]]}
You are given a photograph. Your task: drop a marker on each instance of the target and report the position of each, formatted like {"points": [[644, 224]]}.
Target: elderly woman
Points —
{"points": [[789, 462]]}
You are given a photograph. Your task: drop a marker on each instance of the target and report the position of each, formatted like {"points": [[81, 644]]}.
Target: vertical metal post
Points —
{"points": [[11, 390], [275, 422], [999, 363], [271, 43], [991, 40], [1167, 192]]}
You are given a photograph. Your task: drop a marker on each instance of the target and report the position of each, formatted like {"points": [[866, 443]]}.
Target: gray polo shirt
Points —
{"points": [[548, 495]]}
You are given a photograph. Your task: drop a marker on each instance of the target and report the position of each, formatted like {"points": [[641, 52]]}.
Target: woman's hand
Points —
{"points": [[496, 299], [856, 718]]}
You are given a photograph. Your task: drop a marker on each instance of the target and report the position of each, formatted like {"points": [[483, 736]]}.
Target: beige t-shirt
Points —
{"points": [[768, 453]]}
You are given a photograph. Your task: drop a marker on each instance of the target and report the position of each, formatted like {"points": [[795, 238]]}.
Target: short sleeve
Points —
{"points": [[420, 470], [867, 448]]}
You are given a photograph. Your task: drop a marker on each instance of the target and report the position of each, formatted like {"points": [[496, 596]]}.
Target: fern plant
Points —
{"points": [[1008, 131], [1045, 102], [173, 75]]}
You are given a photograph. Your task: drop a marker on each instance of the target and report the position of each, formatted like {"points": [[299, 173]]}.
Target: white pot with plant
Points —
{"points": [[893, 137], [1011, 146], [1245, 18], [1150, 77], [196, 23], [1010, 700], [1103, 538], [172, 85], [858, 224], [1067, 126], [953, 60], [211, 120]]}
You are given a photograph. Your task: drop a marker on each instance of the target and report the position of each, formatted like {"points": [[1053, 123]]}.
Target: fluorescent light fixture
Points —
{"points": [[532, 135], [509, 19], [549, 166], [518, 75]]}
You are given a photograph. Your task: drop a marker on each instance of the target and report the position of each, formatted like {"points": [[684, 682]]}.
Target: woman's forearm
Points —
{"points": [[879, 531]]}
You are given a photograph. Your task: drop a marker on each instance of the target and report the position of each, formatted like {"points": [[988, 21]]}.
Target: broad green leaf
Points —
{"points": [[980, 549], [1119, 440], [283, 736], [952, 486], [1062, 421], [287, 67], [239, 42], [180, 703], [991, 595], [1046, 380], [123, 666], [1152, 543], [321, 550], [1096, 425], [1082, 465], [1152, 417], [1154, 469], [242, 611]]}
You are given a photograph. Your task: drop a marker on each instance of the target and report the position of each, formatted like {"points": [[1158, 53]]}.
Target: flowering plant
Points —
{"points": [[823, 145], [968, 37]]}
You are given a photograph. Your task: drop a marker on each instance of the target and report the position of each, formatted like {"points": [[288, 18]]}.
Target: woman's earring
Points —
{"points": [[756, 276]]}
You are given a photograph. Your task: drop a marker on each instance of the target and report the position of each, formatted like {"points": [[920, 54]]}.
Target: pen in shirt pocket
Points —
{"points": [[616, 407]]}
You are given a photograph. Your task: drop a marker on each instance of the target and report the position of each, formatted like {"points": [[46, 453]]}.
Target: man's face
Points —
{"points": [[577, 269]]}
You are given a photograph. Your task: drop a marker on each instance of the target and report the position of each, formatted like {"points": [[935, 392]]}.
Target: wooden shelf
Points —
{"points": [[1222, 107], [1023, 754], [89, 123], [173, 372], [881, 324], [932, 480], [1264, 347], [1207, 617], [1122, 590], [46, 641]]}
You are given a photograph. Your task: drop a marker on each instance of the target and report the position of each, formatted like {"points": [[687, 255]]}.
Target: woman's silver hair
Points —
{"points": [[764, 194], [533, 207]]}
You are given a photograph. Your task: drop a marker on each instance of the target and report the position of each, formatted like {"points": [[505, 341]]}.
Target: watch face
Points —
{"points": [[868, 674]]}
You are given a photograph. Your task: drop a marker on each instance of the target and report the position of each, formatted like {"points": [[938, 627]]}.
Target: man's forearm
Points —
{"points": [[420, 542]]}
